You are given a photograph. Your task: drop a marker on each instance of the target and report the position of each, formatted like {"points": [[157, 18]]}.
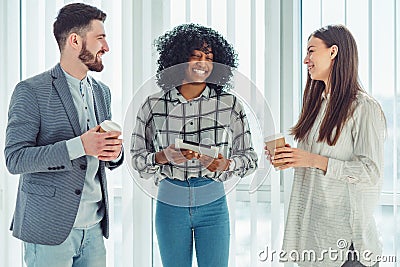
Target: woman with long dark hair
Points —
{"points": [[339, 160]]}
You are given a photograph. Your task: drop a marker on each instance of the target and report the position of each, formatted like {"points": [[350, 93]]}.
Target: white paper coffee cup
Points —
{"points": [[108, 126]]}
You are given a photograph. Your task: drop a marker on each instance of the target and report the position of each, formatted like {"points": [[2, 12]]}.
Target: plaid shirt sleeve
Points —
{"points": [[142, 146], [243, 157]]}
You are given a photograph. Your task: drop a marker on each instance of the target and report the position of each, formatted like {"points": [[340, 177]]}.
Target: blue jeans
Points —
{"points": [[201, 218], [82, 248]]}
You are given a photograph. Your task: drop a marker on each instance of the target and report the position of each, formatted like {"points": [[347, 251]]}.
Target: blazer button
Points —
{"points": [[83, 167], [62, 167], [78, 192]]}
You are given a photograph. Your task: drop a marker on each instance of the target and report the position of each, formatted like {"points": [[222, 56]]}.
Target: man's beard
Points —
{"points": [[91, 61]]}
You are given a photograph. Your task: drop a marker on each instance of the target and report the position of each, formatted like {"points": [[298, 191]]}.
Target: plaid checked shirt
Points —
{"points": [[210, 119]]}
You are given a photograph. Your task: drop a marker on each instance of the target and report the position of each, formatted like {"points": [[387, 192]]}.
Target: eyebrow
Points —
{"points": [[208, 51], [102, 35], [308, 48]]}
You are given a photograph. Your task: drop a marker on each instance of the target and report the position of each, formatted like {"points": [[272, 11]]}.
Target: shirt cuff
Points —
{"points": [[337, 169], [151, 161], [232, 165], [75, 148], [334, 167]]}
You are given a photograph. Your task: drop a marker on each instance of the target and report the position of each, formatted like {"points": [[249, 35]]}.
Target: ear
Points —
{"points": [[74, 41], [334, 51]]}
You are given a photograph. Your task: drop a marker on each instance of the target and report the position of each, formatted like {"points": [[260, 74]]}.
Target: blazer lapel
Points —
{"points": [[61, 85], [99, 104]]}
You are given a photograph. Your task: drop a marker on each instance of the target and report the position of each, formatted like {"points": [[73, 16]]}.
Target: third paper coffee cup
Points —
{"points": [[275, 141]]}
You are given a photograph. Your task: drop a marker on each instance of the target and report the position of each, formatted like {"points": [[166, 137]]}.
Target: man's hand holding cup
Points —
{"points": [[102, 141]]}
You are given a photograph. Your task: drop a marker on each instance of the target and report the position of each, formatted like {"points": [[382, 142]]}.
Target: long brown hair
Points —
{"points": [[344, 86]]}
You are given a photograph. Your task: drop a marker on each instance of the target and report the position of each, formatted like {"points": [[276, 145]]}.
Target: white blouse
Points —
{"points": [[330, 211]]}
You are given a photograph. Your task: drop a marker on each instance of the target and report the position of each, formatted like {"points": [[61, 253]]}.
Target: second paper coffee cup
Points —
{"points": [[275, 141]]}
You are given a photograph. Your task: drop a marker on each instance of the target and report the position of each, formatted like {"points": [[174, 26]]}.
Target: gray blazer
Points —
{"points": [[41, 117]]}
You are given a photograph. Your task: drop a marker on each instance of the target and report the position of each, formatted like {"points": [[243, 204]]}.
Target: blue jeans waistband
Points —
{"points": [[191, 192]]}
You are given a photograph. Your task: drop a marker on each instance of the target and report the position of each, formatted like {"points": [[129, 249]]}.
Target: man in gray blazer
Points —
{"points": [[53, 141]]}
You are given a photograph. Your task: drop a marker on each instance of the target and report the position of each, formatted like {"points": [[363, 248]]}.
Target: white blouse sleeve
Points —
{"points": [[368, 136]]}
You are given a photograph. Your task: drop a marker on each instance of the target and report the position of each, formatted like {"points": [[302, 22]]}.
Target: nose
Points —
{"points": [[202, 61], [306, 59], [105, 46]]}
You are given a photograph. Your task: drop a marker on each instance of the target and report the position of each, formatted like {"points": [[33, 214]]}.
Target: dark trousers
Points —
{"points": [[352, 261]]}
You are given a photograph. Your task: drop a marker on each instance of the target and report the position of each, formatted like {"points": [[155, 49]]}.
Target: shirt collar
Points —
{"points": [[176, 95], [74, 82]]}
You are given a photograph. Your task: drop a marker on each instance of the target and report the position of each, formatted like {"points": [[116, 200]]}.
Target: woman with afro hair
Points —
{"points": [[194, 71]]}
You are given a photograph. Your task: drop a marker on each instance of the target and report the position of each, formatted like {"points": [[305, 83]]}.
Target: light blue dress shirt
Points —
{"points": [[91, 209]]}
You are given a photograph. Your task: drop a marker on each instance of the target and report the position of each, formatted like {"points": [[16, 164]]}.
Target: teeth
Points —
{"points": [[201, 72]]}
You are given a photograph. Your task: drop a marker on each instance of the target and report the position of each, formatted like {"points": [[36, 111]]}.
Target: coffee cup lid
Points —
{"points": [[108, 126], [273, 137]]}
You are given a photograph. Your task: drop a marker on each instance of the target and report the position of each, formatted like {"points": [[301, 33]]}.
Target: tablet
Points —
{"points": [[211, 151]]}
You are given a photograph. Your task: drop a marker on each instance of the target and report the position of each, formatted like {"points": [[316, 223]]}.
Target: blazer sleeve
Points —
{"points": [[22, 153], [112, 165]]}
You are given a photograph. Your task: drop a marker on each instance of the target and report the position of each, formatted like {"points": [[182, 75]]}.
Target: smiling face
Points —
{"points": [[94, 46], [200, 65], [319, 59]]}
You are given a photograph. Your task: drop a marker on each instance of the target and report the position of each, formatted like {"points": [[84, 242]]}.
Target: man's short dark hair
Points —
{"points": [[76, 18], [176, 46]]}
